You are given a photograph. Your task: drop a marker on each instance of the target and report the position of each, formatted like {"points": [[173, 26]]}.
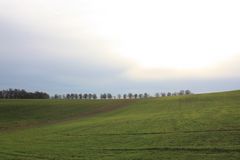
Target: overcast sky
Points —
{"points": [[120, 46]]}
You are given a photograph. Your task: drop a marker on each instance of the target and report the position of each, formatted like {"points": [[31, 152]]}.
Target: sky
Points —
{"points": [[120, 46]]}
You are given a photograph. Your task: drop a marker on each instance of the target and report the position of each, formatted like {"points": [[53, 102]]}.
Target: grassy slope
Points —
{"points": [[189, 127], [18, 114]]}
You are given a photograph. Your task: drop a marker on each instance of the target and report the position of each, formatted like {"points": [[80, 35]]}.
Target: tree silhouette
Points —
{"points": [[181, 92], [80, 96], [145, 95], [94, 96], [130, 95], [22, 94], [109, 96], [140, 96], [85, 95], [119, 96], [135, 96], [89, 96], [163, 94], [187, 92]]}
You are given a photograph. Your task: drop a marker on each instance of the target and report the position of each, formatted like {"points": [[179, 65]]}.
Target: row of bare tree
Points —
{"points": [[119, 96], [22, 94]]}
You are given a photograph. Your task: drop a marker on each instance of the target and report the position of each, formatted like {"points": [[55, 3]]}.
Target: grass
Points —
{"points": [[203, 126]]}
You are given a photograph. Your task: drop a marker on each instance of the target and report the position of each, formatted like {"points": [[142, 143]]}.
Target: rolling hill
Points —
{"points": [[204, 126]]}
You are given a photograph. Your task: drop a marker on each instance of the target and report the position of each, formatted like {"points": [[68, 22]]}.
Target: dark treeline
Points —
{"points": [[119, 96], [22, 94]]}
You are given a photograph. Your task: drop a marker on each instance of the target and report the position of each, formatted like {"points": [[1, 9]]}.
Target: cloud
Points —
{"points": [[30, 59], [227, 68], [57, 46]]}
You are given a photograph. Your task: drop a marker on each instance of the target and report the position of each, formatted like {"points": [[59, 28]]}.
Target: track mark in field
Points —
{"points": [[176, 149], [23, 155], [203, 131], [156, 133]]}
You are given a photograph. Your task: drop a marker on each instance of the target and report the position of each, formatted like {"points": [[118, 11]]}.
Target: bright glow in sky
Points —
{"points": [[79, 41], [171, 34]]}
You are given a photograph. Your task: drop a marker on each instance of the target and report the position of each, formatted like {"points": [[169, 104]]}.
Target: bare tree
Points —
{"points": [[68, 96], [119, 96], [163, 94], [181, 92], [109, 96], [135, 96], [145, 95], [80, 96], [85, 95], [187, 92], [75, 96], [103, 96], [130, 95], [94, 96], [89, 96]]}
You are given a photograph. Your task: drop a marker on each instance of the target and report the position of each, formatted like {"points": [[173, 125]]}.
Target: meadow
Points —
{"points": [[201, 126]]}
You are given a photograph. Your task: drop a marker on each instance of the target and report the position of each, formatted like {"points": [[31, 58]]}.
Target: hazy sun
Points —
{"points": [[169, 34], [186, 57]]}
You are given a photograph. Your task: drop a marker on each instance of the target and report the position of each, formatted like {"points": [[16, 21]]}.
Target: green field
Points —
{"points": [[205, 126]]}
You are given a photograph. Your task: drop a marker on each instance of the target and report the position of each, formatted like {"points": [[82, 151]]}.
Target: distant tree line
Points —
{"points": [[75, 96], [22, 94], [119, 96]]}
